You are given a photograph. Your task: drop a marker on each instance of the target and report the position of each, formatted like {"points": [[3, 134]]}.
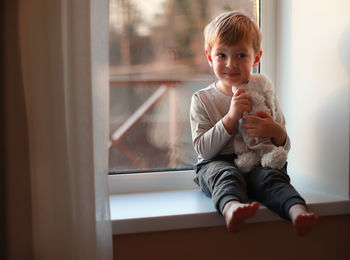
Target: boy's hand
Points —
{"points": [[240, 103], [263, 125]]}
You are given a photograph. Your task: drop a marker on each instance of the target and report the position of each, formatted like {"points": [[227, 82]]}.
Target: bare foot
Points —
{"points": [[303, 220], [236, 213]]}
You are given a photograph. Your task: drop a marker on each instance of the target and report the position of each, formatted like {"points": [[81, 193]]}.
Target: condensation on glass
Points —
{"points": [[157, 61]]}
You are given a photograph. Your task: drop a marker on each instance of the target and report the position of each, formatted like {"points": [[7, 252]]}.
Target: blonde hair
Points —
{"points": [[230, 28]]}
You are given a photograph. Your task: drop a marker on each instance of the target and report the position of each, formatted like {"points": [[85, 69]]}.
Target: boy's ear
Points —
{"points": [[209, 58], [257, 59]]}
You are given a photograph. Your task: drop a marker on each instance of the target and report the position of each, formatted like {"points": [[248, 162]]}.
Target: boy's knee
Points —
{"points": [[269, 175], [218, 173], [225, 174]]}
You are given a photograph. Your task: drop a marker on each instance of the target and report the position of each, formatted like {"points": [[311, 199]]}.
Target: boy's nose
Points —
{"points": [[231, 63]]}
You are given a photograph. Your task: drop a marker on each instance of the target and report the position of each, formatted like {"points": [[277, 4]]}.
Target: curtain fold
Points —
{"points": [[16, 230], [63, 67]]}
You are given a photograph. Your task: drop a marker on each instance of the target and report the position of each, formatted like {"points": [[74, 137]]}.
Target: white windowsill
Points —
{"points": [[168, 207]]}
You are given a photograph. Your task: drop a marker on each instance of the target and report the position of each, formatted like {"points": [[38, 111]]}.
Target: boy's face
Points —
{"points": [[233, 64]]}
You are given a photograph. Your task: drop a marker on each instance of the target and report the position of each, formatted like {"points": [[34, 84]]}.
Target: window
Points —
{"points": [[323, 177], [156, 62]]}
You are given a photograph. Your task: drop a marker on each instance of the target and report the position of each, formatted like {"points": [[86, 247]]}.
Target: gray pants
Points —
{"points": [[221, 180]]}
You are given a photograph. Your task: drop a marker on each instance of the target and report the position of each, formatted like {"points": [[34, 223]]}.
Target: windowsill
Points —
{"points": [[189, 208]]}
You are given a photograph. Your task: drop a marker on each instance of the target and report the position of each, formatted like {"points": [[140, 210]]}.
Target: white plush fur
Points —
{"points": [[253, 151]]}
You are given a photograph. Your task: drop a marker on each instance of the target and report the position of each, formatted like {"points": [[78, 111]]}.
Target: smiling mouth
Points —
{"points": [[232, 74]]}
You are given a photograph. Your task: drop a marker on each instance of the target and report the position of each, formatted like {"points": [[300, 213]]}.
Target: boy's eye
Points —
{"points": [[221, 55], [241, 55]]}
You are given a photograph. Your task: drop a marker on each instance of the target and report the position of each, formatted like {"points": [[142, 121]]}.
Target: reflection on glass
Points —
{"points": [[156, 62]]}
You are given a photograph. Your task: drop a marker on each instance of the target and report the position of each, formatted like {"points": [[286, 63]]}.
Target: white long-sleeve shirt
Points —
{"points": [[209, 136]]}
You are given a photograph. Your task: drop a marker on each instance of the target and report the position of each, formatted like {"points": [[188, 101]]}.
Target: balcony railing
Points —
{"points": [[164, 86]]}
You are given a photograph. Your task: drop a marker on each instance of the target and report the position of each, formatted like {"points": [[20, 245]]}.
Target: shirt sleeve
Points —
{"points": [[208, 138]]}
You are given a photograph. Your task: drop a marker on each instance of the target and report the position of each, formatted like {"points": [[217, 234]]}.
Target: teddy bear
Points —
{"points": [[252, 151]]}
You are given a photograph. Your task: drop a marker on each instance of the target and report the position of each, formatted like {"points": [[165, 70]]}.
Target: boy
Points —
{"points": [[232, 47]]}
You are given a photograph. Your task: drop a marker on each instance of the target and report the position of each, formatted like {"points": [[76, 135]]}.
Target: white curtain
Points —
{"points": [[63, 57]]}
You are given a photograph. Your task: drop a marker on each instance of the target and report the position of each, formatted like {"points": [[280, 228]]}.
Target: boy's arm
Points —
{"points": [[263, 125], [208, 139]]}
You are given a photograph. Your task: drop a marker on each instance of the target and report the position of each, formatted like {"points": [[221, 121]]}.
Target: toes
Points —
{"points": [[239, 215], [304, 223]]}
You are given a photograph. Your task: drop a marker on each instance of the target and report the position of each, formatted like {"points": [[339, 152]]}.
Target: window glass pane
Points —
{"points": [[157, 61]]}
